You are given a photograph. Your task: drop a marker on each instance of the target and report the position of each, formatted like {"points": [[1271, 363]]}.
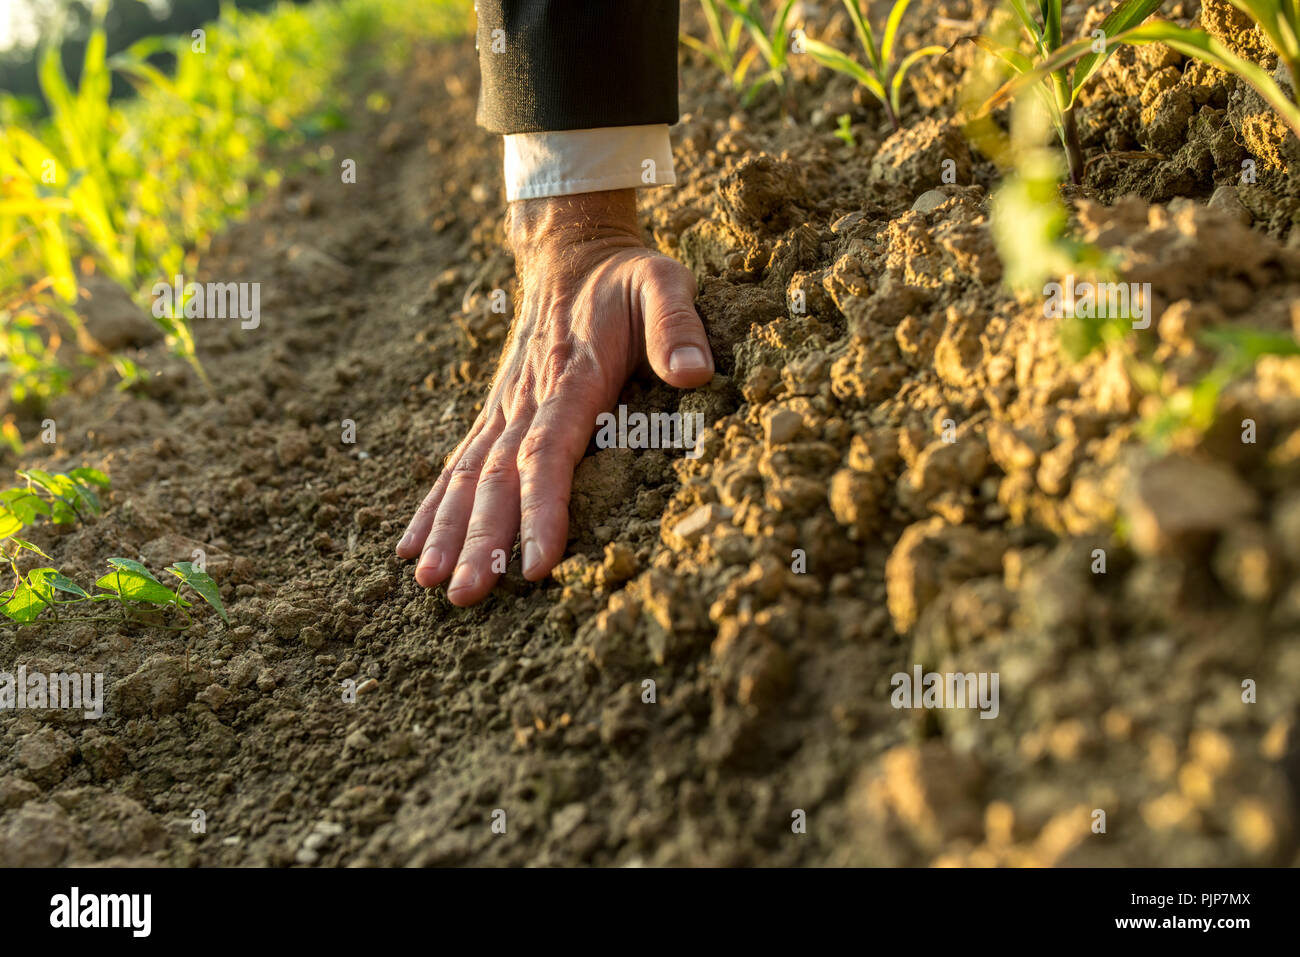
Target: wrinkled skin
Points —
{"points": [[594, 302]]}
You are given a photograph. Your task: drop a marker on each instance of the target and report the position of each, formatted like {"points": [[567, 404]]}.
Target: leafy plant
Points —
{"points": [[881, 75], [723, 50], [1057, 71], [129, 585], [771, 43], [61, 498]]}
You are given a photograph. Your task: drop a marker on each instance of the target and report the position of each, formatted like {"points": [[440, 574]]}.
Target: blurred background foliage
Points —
{"points": [[24, 23], [139, 142]]}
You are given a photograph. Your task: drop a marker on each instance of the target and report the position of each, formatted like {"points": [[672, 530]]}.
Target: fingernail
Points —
{"points": [[687, 359], [465, 577], [430, 560], [532, 557], [406, 540]]}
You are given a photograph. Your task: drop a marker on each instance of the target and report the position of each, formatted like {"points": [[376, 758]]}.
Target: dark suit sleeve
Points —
{"points": [[576, 64]]}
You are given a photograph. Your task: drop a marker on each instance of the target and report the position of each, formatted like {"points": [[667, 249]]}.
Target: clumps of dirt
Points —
{"points": [[922, 156], [1160, 125]]}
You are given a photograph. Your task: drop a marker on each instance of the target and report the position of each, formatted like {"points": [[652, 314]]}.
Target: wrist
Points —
{"points": [[607, 217]]}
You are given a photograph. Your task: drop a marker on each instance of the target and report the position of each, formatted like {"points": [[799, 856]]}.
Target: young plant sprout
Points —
{"points": [[1057, 71], [60, 498], [881, 75], [771, 43], [129, 585], [63, 499], [1068, 67], [844, 130]]}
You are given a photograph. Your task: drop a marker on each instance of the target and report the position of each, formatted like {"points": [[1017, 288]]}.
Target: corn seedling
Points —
{"points": [[769, 43], [723, 50], [1067, 67], [1057, 71], [882, 74]]}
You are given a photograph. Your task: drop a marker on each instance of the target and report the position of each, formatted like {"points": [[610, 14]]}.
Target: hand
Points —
{"points": [[593, 301]]}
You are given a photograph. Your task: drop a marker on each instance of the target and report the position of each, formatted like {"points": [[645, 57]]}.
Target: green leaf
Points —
{"points": [[1129, 13], [828, 56], [60, 582], [87, 496], [131, 565], [25, 504], [9, 523], [67, 494], [896, 84], [1031, 25], [1061, 58], [865, 36], [891, 31], [46, 581], [24, 604], [90, 476], [202, 583], [1251, 344], [132, 581], [31, 548], [1051, 10]]}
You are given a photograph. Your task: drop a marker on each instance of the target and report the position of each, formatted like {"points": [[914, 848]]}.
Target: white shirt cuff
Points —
{"points": [[564, 162]]}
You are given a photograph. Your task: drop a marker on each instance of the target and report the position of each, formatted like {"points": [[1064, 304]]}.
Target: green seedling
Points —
{"points": [[61, 498], [723, 50], [1056, 71], [770, 43], [882, 75], [129, 585], [1068, 67], [844, 130]]}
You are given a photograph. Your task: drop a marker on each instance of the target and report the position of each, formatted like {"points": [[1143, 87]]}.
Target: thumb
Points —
{"points": [[675, 342]]}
